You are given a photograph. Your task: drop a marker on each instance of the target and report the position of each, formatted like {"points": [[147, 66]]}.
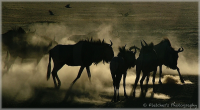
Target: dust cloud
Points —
{"points": [[20, 82]]}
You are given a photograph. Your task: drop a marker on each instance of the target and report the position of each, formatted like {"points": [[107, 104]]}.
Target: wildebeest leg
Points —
{"points": [[160, 82], [88, 72], [180, 75], [6, 59], [10, 62], [147, 80], [114, 85], [57, 66], [141, 81], [79, 74], [154, 75], [118, 79], [136, 81], [124, 84]]}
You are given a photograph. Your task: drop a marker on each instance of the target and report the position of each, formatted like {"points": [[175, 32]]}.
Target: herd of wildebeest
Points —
{"points": [[28, 45]]}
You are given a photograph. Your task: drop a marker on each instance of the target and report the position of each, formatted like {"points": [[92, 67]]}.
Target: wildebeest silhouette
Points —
{"points": [[118, 66], [26, 45], [83, 54], [146, 62], [168, 56], [68, 6]]}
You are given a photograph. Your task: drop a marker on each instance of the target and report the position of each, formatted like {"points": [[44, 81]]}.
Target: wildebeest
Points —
{"points": [[168, 56], [83, 53], [118, 66], [26, 45], [146, 62]]}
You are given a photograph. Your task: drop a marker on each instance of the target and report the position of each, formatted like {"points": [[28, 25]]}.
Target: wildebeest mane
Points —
{"points": [[125, 54], [166, 40], [148, 47], [122, 51], [17, 29], [95, 44], [96, 41]]}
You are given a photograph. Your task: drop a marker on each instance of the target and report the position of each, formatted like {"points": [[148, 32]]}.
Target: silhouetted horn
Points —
{"points": [[142, 44], [132, 48], [91, 39], [103, 41], [111, 43], [145, 43], [125, 46], [135, 51], [180, 49]]}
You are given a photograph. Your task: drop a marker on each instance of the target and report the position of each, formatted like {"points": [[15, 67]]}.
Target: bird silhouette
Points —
{"points": [[50, 12], [68, 6]]}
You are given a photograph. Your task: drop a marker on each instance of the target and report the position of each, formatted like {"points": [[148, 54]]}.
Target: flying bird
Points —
{"points": [[50, 12], [68, 6]]}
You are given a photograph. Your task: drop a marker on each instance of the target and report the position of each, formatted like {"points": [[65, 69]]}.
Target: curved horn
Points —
{"points": [[145, 43], [135, 51], [142, 44], [132, 48], [180, 49], [111, 43], [103, 41], [125, 46]]}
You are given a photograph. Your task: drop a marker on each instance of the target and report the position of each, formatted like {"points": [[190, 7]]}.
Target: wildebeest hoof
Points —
{"points": [[126, 96], [113, 99], [160, 82], [182, 81], [57, 87]]}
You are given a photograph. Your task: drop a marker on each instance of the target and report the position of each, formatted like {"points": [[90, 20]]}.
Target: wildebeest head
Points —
{"points": [[128, 56], [172, 57], [9, 35], [148, 58], [101, 50], [108, 52], [148, 48]]}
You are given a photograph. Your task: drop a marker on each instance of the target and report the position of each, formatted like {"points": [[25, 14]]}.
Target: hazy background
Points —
{"points": [[123, 23]]}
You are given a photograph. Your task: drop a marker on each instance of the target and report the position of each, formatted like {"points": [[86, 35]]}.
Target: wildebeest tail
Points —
{"points": [[49, 67]]}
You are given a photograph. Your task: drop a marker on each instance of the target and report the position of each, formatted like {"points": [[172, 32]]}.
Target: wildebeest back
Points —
{"points": [[77, 54]]}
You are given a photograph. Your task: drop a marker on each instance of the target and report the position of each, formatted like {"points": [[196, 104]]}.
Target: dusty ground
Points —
{"points": [[123, 23]]}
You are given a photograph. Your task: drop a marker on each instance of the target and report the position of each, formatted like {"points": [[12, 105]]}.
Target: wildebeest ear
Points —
{"points": [[21, 30], [111, 43]]}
